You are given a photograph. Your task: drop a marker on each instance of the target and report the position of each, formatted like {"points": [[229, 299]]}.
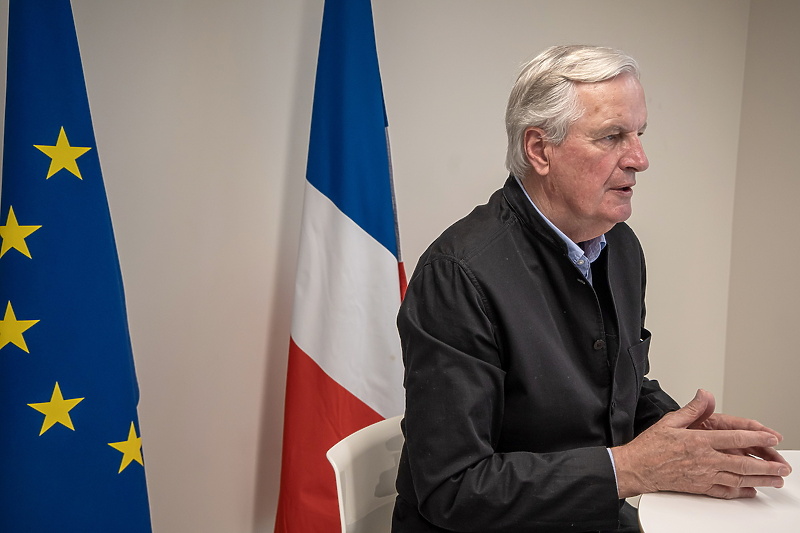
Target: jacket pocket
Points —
{"points": [[639, 355]]}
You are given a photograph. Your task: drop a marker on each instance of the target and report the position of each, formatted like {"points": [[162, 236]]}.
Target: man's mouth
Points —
{"points": [[624, 189]]}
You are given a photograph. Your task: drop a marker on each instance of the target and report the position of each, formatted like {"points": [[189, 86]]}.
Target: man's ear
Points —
{"points": [[535, 143]]}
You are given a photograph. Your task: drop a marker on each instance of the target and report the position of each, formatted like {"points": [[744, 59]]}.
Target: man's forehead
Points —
{"points": [[612, 103]]}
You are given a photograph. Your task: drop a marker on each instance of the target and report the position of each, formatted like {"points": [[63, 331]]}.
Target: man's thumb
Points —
{"points": [[693, 413]]}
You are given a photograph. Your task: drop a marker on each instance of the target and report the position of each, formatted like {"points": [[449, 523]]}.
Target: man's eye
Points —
{"points": [[613, 137]]}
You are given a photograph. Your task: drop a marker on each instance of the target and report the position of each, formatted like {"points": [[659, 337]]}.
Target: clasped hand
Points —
{"points": [[698, 451]]}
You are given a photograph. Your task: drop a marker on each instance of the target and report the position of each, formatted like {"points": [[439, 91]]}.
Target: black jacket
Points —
{"points": [[518, 375]]}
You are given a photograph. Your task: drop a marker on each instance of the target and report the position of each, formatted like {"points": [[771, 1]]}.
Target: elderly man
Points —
{"points": [[527, 405]]}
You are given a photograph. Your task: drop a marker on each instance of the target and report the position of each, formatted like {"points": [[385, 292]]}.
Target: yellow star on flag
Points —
{"points": [[14, 235], [131, 449], [63, 155], [56, 411], [11, 329]]}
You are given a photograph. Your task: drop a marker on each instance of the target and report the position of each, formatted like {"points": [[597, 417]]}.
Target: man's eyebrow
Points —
{"points": [[610, 129], [613, 129]]}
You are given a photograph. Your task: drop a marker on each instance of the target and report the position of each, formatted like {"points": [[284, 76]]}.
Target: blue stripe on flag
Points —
{"points": [[348, 157]]}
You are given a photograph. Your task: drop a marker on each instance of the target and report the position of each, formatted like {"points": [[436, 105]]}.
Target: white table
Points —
{"points": [[773, 510]]}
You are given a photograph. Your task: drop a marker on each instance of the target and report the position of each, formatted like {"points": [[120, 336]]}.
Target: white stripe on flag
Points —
{"points": [[346, 300]]}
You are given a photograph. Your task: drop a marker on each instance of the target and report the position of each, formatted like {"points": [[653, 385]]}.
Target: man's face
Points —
{"points": [[590, 175]]}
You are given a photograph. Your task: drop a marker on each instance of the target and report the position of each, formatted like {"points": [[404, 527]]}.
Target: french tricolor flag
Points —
{"points": [[345, 369]]}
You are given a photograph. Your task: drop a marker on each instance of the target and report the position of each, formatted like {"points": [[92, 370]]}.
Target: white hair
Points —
{"points": [[544, 94]]}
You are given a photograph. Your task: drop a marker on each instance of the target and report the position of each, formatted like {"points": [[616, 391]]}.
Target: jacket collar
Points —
{"points": [[527, 214]]}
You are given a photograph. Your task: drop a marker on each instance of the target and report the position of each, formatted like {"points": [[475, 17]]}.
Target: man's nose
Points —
{"points": [[635, 159]]}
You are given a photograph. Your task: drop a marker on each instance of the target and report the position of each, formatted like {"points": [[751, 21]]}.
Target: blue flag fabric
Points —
{"points": [[348, 149], [70, 446]]}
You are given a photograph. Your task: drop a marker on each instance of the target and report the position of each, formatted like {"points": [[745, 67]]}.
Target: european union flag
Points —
{"points": [[70, 446]]}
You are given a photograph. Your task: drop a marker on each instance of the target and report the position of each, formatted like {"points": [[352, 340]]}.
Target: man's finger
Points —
{"points": [[731, 439], [729, 493], [693, 413], [737, 481], [744, 465], [723, 421], [768, 454]]}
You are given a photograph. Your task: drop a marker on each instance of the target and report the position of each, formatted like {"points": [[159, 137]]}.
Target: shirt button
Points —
{"points": [[599, 344]]}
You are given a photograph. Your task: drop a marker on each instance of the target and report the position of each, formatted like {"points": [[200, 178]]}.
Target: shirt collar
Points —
{"points": [[590, 249]]}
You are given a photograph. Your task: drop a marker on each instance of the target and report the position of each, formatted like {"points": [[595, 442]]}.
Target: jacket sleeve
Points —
{"points": [[653, 404], [454, 407]]}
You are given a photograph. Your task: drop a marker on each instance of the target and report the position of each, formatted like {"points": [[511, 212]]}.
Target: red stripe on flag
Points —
{"points": [[319, 413], [403, 281]]}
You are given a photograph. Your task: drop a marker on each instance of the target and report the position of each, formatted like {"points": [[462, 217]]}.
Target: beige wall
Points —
{"points": [[201, 110], [763, 361]]}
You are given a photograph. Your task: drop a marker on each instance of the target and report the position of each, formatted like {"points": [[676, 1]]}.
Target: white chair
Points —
{"points": [[365, 464]]}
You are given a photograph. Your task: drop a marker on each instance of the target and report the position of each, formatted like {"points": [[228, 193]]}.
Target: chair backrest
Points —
{"points": [[365, 464]]}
